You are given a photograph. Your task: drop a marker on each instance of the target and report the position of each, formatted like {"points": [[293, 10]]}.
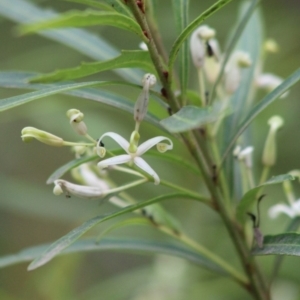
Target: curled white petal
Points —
{"points": [[117, 160], [163, 147], [277, 209], [101, 151], [142, 164], [81, 191], [88, 177], [117, 138], [198, 50], [152, 142], [57, 189]]}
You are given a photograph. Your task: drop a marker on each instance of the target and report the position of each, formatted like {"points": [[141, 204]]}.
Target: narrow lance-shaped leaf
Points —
{"points": [[87, 43], [93, 3], [190, 28], [86, 18], [292, 227], [108, 5], [181, 10], [127, 59], [69, 166], [20, 80], [117, 244], [250, 197], [262, 105], [281, 244], [250, 40], [191, 117], [75, 234]]}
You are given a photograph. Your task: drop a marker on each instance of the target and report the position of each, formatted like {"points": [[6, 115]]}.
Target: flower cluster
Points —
{"points": [[94, 184]]}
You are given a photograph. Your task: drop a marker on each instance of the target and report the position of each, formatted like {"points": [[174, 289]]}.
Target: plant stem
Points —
{"points": [[257, 286], [156, 59]]}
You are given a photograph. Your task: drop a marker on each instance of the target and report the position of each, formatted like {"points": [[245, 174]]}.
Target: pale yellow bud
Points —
{"points": [[269, 153], [30, 133], [76, 120], [271, 46]]}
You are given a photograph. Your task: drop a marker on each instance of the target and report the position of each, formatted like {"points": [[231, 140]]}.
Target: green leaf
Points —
{"points": [[191, 117], [252, 34], [281, 244], [110, 5], [127, 59], [76, 233], [249, 24], [12, 102], [293, 226], [83, 41], [123, 223], [69, 166], [86, 18], [262, 105], [190, 28], [20, 80], [93, 3], [116, 244], [250, 197], [181, 10]]}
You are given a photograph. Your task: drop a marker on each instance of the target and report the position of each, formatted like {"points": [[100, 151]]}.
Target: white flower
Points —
{"points": [[81, 191], [238, 60], [291, 210], [133, 153], [246, 156], [197, 44], [269, 82]]}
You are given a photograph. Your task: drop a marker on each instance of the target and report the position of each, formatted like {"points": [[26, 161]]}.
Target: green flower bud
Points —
{"points": [[30, 133], [76, 121], [269, 153]]}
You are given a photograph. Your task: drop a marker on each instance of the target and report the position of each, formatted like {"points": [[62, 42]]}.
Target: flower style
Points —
{"points": [[133, 152], [291, 210]]}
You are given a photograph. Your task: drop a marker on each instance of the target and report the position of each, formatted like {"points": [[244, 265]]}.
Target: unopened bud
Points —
{"points": [[141, 105], [198, 46], [30, 133], [269, 153], [205, 32], [76, 120], [212, 64], [233, 74], [271, 46], [81, 191], [246, 156], [269, 82]]}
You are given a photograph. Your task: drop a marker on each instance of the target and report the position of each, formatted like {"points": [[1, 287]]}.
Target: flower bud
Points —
{"points": [[271, 46], [269, 153], [81, 191], [76, 121], [269, 82], [233, 74], [212, 64], [246, 156], [141, 105], [197, 44], [30, 133]]}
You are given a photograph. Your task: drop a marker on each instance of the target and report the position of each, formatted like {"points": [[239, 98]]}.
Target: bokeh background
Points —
{"points": [[30, 214]]}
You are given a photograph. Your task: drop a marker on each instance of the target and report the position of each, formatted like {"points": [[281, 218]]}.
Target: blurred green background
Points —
{"points": [[30, 214]]}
